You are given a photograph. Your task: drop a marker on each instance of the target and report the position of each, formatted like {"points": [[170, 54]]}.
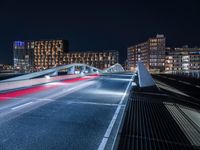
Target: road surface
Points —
{"points": [[73, 114]]}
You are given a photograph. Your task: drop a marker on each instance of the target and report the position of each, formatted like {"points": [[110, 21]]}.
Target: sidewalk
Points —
{"points": [[149, 125]]}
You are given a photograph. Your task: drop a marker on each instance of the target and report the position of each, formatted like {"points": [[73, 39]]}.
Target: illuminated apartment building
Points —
{"points": [[183, 59], [138, 53], [48, 54], [168, 59], [32, 56], [151, 53], [101, 60]]}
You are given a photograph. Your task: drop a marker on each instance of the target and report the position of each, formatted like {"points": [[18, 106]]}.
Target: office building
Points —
{"points": [[30, 56], [150, 52]]}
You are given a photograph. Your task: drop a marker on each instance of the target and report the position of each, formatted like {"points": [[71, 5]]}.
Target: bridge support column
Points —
{"points": [[91, 70], [54, 74], [83, 69], [71, 70], [88, 69]]}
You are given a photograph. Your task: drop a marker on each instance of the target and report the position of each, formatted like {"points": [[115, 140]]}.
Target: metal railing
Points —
{"points": [[190, 74]]}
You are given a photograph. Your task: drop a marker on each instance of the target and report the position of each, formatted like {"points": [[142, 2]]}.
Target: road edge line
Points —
{"points": [[112, 122]]}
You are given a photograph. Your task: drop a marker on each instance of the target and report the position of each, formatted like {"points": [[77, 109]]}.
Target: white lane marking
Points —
{"points": [[197, 86], [11, 105], [171, 79], [94, 103], [120, 122], [169, 88], [185, 125], [66, 91], [23, 105], [103, 143], [43, 99], [48, 98], [27, 98], [112, 122], [184, 82], [109, 129]]}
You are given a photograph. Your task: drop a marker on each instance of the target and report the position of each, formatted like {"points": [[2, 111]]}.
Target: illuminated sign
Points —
{"points": [[19, 44]]}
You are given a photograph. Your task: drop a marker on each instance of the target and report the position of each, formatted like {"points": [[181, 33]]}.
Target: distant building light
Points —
{"points": [[47, 77], [77, 72]]}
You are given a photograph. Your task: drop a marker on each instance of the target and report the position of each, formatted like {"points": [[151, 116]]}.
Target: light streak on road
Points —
{"points": [[22, 92]]}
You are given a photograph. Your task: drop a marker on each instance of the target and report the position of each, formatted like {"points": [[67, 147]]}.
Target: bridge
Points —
{"points": [[80, 109], [78, 106]]}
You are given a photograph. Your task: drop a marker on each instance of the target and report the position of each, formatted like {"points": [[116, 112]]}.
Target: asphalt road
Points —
{"points": [[82, 115]]}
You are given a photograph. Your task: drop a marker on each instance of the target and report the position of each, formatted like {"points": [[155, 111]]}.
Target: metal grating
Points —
{"points": [[149, 126]]}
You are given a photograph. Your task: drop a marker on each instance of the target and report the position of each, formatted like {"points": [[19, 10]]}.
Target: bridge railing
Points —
{"points": [[191, 74], [37, 78]]}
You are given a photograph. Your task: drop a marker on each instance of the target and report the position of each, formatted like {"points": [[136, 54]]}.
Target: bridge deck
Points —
{"points": [[74, 115]]}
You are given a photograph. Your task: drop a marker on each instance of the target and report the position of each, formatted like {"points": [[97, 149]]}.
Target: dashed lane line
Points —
{"points": [[184, 82], [21, 106], [94, 103]]}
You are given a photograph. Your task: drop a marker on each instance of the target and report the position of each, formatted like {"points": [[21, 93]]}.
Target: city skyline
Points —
{"points": [[98, 25], [31, 56], [99, 75]]}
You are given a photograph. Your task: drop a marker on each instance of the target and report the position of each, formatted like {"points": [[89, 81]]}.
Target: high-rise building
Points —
{"points": [[182, 59], [23, 57], [32, 56], [150, 52], [137, 53]]}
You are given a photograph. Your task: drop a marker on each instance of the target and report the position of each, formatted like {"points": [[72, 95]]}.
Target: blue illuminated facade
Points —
{"points": [[19, 44]]}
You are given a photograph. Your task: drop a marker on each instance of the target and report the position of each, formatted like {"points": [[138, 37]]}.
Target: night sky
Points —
{"points": [[98, 25]]}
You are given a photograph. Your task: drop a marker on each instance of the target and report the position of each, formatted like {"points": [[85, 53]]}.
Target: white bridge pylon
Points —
{"points": [[115, 68]]}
